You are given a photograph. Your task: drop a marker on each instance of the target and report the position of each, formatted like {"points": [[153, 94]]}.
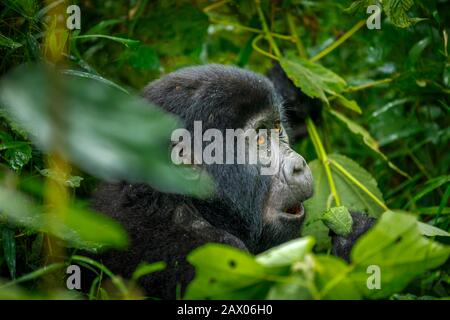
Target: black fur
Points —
{"points": [[248, 210], [166, 227]]}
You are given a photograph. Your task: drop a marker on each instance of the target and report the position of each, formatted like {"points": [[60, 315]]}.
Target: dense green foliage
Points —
{"points": [[70, 115]]}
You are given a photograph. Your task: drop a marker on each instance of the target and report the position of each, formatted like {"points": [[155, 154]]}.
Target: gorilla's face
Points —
{"points": [[289, 185], [264, 198], [262, 210]]}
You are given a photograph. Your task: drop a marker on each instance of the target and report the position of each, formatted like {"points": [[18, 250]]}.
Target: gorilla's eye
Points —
{"points": [[261, 139]]}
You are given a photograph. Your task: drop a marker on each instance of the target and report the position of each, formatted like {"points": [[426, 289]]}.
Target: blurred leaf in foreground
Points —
{"points": [[397, 248], [80, 227], [224, 272], [101, 129], [394, 246]]}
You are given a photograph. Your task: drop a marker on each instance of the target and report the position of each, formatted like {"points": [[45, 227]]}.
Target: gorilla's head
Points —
{"points": [[262, 209]]}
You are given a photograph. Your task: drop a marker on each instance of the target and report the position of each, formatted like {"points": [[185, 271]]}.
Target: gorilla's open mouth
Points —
{"points": [[297, 209]]}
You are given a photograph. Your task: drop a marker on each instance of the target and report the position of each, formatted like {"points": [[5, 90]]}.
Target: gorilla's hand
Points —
{"points": [[342, 245]]}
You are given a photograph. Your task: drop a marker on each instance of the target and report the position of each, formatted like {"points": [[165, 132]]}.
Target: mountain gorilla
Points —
{"points": [[248, 210]]}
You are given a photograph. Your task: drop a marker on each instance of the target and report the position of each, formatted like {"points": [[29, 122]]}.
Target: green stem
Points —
{"points": [[369, 85], [318, 146], [258, 49], [254, 30], [298, 42], [349, 176], [267, 33], [215, 5], [116, 280], [338, 42]]}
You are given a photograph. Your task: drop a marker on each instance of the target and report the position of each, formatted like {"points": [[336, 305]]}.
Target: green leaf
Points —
{"points": [[35, 274], [104, 131], [126, 42], [397, 11], [433, 210], [9, 249], [339, 220], [367, 138], [82, 74], [351, 196], [349, 104], [360, 4], [104, 25], [146, 268], [224, 272], [286, 253], [314, 79], [431, 185], [18, 154], [7, 42], [328, 271], [416, 51], [80, 227], [396, 246], [431, 231]]}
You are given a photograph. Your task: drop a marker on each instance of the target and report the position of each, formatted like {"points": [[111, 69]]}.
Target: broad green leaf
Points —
{"points": [[349, 104], [330, 270], [80, 227], [339, 220], [366, 137], [147, 268], [104, 131], [397, 11], [224, 272], [294, 288], [314, 79], [286, 253], [396, 246], [351, 196]]}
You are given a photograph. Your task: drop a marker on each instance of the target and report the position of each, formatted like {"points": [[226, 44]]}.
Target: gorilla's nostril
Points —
{"points": [[299, 166]]}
